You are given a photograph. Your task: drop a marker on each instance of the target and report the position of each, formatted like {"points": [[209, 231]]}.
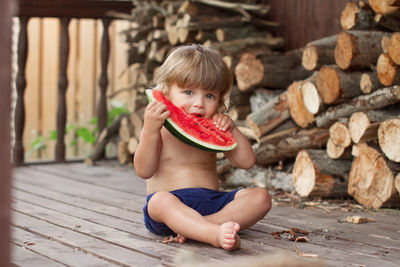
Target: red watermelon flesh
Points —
{"points": [[193, 130]]}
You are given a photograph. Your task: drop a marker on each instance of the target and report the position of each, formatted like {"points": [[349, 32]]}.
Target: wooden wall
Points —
{"points": [[5, 168], [83, 74], [303, 21]]}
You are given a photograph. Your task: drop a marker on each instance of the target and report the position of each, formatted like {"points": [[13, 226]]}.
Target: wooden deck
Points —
{"points": [[76, 215]]}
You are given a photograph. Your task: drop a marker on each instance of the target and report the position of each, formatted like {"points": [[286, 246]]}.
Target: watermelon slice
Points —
{"points": [[195, 131]]}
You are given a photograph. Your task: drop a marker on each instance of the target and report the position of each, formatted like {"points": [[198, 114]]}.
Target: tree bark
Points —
{"points": [[358, 49], [269, 116], [377, 100], [335, 85], [286, 147], [389, 138], [315, 174], [319, 53], [371, 181], [274, 70]]}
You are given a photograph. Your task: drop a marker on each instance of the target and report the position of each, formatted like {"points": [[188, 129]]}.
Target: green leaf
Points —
{"points": [[87, 135]]}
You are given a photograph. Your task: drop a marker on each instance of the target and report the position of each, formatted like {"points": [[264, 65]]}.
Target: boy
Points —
{"points": [[182, 182]]}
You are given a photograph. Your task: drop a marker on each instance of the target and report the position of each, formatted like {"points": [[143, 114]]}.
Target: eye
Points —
{"points": [[211, 96], [188, 92]]}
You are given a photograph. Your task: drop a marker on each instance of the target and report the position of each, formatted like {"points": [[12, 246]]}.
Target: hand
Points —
{"points": [[223, 122], [155, 115]]}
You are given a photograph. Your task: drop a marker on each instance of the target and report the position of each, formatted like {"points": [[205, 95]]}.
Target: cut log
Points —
{"points": [[385, 7], [388, 22], [122, 153], [397, 182], [337, 152], [363, 126], [371, 181], [287, 147], [388, 71], [298, 111], [394, 48], [355, 17], [315, 174], [319, 53], [358, 49], [126, 130], [104, 138], [311, 98], [274, 70], [385, 43], [377, 100], [269, 116], [132, 145], [389, 138], [335, 85], [261, 96], [370, 82], [339, 133]]}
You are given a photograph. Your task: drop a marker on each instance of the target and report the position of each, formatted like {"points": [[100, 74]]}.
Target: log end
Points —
{"points": [[328, 84], [334, 151], [309, 59], [339, 134], [397, 183], [304, 174], [358, 124], [298, 111], [387, 70], [348, 17], [346, 49], [389, 138], [249, 72], [311, 98], [366, 84], [370, 180], [394, 48]]}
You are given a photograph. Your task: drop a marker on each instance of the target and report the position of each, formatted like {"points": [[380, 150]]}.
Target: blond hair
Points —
{"points": [[196, 66]]}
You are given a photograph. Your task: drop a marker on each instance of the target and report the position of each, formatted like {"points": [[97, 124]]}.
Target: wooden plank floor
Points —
{"points": [[77, 215]]}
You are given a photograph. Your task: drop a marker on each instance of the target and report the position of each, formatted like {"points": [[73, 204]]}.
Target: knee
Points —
{"points": [[262, 200], [159, 202]]}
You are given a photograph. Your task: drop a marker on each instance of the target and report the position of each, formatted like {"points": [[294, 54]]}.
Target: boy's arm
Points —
{"points": [[243, 155], [148, 150]]}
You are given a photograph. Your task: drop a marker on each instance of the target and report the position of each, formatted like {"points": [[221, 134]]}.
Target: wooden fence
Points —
{"points": [[83, 71]]}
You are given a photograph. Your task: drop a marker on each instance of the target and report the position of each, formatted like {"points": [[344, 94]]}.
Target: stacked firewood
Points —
{"points": [[330, 107], [355, 94], [231, 27]]}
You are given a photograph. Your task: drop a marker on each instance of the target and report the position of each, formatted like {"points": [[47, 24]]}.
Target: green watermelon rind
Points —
{"points": [[176, 131]]}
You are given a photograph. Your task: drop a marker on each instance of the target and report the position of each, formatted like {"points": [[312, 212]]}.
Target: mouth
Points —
{"points": [[198, 115]]}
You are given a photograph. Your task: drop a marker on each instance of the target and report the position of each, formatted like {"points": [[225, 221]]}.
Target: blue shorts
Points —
{"points": [[205, 201]]}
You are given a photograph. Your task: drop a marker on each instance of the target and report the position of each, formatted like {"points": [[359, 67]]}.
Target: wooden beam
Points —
{"points": [[5, 107], [73, 8]]}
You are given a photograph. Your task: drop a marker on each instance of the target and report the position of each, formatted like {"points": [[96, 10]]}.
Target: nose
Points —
{"points": [[199, 101]]}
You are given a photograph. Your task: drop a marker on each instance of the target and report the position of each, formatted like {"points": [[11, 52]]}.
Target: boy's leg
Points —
{"points": [[248, 207], [166, 208]]}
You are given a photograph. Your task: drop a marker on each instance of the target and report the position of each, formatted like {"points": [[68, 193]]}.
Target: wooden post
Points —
{"points": [[103, 81], [19, 117], [5, 107], [62, 89]]}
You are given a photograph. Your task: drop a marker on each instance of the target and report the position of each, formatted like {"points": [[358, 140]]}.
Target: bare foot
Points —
{"points": [[228, 238], [180, 239]]}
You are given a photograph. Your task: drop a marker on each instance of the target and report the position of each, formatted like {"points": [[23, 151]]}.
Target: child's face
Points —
{"points": [[199, 102]]}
